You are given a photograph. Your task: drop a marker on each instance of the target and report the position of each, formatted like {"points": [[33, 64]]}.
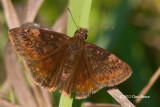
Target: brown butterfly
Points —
{"points": [[56, 60]]}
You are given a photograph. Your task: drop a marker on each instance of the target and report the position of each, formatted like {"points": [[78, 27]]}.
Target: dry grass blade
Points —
{"points": [[149, 85], [47, 98], [5, 87], [5, 103], [42, 96], [89, 104], [36, 92], [119, 97], [11, 62], [31, 10], [17, 79], [39, 95], [12, 99], [61, 23], [10, 13]]}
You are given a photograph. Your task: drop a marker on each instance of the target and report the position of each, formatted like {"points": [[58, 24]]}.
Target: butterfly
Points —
{"points": [[57, 60]]}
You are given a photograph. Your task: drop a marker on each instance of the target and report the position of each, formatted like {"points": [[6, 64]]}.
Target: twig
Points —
{"points": [[149, 85], [89, 104], [6, 103], [31, 10], [119, 97]]}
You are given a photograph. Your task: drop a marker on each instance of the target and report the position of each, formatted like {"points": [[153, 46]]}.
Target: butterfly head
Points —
{"points": [[81, 33]]}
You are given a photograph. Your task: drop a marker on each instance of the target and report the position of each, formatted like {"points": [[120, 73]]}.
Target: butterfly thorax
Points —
{"points": [[75, 49], [81, 33]]}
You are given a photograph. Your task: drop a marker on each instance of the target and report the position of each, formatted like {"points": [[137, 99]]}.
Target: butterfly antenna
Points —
{"points": [[110, 27], [103, 29], [72, 17]]}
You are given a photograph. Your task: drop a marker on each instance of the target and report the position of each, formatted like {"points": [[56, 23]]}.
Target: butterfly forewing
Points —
{"points": [[105, 68], [34, 44], [43, 51]]}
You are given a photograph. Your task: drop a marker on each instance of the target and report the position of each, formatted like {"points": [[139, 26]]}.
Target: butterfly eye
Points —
{"points": [[85, 35], [30, 43]]}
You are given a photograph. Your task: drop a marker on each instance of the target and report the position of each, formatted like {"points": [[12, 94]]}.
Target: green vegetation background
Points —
{"points": [[134, 21]]}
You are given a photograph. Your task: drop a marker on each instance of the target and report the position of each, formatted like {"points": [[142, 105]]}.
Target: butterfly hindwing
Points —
{"points": [[47, 72], [104, 67], [80, 80]]}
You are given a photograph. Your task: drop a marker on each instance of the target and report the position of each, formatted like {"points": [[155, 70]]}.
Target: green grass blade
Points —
{"points": [[65, 101], [80, 10]]}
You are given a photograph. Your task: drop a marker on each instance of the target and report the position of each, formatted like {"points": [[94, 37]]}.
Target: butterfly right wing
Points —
{"points": [[94, 69], [104, 67]]}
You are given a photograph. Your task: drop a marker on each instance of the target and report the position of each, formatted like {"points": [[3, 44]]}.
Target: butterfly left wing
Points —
{"points": [[43, 51], [104, 67]]}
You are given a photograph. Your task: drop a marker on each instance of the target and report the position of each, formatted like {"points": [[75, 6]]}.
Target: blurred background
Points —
{"points": [[135, 39]]}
